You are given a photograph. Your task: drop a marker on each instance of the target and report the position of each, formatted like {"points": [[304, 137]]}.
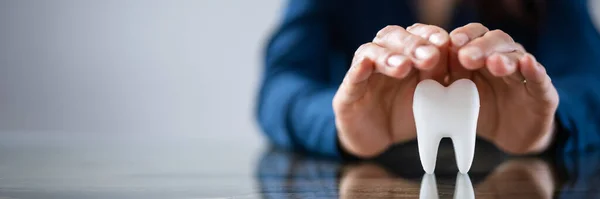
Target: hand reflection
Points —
{"points": [[369, 180], [519, 178]]}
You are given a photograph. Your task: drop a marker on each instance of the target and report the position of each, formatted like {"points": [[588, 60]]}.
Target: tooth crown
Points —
{"points": [[446, 112]]}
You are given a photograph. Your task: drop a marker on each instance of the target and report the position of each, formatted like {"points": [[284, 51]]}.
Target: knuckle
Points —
{"points": [[387, 31], [495, 32], [410, 38], [356, 63], [474, 24], [518, 44], [362, 48], [433, 28], [416, 25], [440, 30], [519, 47], [392, 28], [365, 53], [428, 30], [411, 42], [425, 31], [477, 25], [500, 34]]}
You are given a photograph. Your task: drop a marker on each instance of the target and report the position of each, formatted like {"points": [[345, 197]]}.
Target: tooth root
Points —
{"points": [[428, 147], [464, 187], [428, 187], [464, 149]]}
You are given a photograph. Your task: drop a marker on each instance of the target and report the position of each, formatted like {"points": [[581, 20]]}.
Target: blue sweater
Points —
{"points": [[310, 52]]}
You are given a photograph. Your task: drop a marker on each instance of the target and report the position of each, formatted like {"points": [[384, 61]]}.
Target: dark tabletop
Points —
{"points": [[76, 165]]}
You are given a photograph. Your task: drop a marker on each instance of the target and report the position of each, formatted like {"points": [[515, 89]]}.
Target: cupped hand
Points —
{"points": [[373, 105], [518, 100]]}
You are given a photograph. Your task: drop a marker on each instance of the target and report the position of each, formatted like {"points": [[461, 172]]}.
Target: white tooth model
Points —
{"points": [[463, 188], [446, 112]]}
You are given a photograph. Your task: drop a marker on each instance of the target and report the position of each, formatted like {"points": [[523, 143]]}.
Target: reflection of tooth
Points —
{"points": [[428, 187], [446, 112], [463, 188]]}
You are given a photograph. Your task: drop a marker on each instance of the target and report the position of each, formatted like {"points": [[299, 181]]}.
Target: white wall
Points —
{"points": [[186, 67]]}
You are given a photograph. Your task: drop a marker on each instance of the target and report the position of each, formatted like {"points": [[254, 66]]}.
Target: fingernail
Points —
{"points": [[396, 60], [472, 52], [424, 52], [437, 39], [459, 39]]}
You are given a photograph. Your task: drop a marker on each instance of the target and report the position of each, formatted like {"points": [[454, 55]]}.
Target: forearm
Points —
{"points": [[296, 112]]}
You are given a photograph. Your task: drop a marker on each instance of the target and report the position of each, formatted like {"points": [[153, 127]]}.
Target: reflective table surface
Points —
{"points": [[64, 165]]}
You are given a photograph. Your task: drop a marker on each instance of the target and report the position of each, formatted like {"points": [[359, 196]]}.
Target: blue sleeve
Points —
{"points": [[579, 111], [294, 104], [570, 50]]}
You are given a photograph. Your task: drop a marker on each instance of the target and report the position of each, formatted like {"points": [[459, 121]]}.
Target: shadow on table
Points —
{"points": [[398, 174]]}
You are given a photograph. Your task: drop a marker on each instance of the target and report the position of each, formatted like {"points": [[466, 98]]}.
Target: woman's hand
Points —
{"points": [[373, 105], [518, 100]]}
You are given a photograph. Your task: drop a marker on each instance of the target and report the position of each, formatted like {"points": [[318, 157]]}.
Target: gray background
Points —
{"points": [[186, 67], [109, 87]]}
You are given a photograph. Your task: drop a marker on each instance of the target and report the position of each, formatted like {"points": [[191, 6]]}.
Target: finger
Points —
{"points": [[435, 35], [380, 60], [464, 34], [420, 51], [538, 81], [513, 76], [458, 38], [473, 55], [440, 38], [505, 65], [368, 59]]}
